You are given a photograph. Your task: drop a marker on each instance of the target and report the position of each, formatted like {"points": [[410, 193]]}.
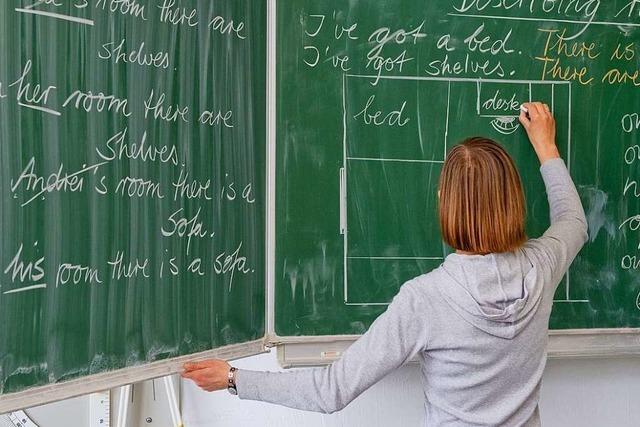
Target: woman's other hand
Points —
{"points": [[209, 375], [541, 129]]}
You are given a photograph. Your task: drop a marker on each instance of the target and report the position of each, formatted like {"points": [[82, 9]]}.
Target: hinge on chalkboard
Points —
{"points": [[270, 341]]}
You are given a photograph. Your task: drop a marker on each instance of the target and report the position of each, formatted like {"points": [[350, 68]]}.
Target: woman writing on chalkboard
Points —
{"points": [[479, 322]]}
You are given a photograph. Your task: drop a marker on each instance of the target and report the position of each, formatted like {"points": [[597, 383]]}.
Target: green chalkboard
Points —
{"points": [[371, 95], [132, 203]]}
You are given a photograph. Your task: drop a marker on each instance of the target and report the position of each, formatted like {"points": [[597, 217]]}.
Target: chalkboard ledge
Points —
{"points": [[568, 343], [111, 379]]}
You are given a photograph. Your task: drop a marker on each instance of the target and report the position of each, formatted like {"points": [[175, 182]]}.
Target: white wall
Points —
{"points": [[584, 393]]}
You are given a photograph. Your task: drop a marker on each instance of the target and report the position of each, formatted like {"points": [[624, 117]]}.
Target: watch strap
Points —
{"points": [[231, 381]]}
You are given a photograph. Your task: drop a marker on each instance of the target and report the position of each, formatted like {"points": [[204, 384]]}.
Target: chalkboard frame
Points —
{"points": [[296, 351], [315, 350], [84, 385]]}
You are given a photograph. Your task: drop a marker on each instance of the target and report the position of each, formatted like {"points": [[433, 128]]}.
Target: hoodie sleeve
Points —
{"points": [[567, 233], [394, 337]]}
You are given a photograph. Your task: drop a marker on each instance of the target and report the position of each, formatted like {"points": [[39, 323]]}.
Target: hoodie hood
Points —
{"points": [[497, 293]]}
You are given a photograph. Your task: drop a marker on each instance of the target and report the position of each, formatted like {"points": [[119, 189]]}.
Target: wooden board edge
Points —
{"points": [[116, 378], [594, 343], [299, 351]]}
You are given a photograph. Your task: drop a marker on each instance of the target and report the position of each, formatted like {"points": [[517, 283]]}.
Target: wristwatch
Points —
{"points": [[231, 381]]}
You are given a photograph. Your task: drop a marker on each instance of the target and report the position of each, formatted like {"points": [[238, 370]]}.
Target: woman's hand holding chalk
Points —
{"points": [[541, 129]]}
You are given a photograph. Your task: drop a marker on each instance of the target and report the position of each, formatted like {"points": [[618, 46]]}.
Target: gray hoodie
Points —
{"points": [[478, 324]]}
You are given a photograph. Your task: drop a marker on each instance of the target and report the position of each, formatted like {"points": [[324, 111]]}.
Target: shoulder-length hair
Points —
{"points": [[481, 202]]}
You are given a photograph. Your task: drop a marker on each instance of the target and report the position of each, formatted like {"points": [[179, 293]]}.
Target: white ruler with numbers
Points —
{"points": [[99, 409], [21, 419]]}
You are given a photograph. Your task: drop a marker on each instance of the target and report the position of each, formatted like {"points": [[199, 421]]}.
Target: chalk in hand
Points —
{"points": [[523, 108]]}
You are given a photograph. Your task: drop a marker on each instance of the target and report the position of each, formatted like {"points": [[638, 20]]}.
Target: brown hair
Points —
{"points": [[481, 204]]}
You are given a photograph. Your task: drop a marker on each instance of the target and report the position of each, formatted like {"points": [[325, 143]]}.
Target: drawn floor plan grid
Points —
{"points": [[396, 132]]}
